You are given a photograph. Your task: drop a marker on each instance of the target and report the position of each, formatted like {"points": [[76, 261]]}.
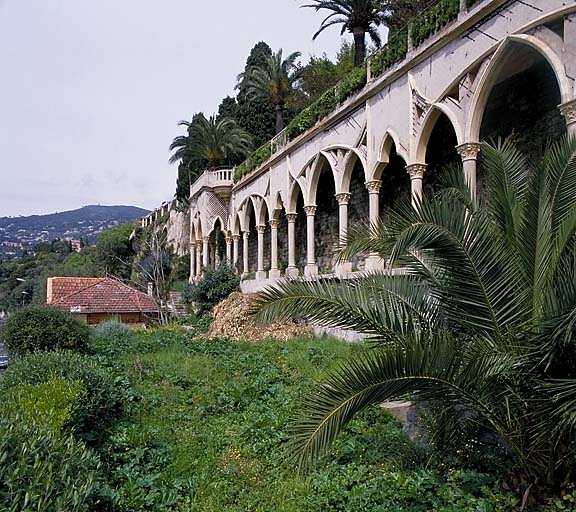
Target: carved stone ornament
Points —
{"points": [[568, 110], [236, 238], [291, 217], [373, 186], [310, 210], [273, 223], [261, 229], [343, 198], [205, 239], [468, 150], [416, 171]]}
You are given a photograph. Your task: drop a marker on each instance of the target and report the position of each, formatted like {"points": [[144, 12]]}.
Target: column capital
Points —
{"points": [[236, 238], [468, 150], [310, 210], [261, 229], [245, 234], [373, 186], [416, 171], [273, 223], [291, 217], [228, 239], [568, 110], [199, 244], [343, 197], [205, 239]]}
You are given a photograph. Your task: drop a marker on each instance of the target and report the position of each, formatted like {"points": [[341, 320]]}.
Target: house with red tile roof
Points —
{"points": [[98, 299]]}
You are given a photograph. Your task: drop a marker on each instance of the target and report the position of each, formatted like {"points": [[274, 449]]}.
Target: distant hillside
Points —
{"points": [[86, 223]]}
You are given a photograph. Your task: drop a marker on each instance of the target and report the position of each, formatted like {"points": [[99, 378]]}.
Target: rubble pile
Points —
{"points": [[231, 319]]}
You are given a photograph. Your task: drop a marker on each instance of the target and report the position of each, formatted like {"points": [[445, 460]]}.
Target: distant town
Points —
{"points": [[79, 227]]}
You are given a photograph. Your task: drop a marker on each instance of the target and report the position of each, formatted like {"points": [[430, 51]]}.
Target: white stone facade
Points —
{"points": [[452, 74]]}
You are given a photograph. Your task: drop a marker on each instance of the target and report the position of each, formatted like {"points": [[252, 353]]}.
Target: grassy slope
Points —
{"points": [[210, 434]]}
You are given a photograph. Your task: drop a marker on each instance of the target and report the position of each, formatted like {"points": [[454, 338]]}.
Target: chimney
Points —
{"points": [[151, 289], [49, 290]]}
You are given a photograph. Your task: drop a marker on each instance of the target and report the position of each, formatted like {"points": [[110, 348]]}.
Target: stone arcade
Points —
{"points": [[502, 68]]}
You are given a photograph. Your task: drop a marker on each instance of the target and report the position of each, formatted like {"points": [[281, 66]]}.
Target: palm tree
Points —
{"points": [[273, 80], [210, 141], [481, 320], [359, 17]]}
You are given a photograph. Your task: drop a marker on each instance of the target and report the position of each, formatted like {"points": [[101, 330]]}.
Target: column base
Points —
{"points": [[292, 272], [343, 268], [311, 269], [374, 262], [274, 274], [261, 275]]}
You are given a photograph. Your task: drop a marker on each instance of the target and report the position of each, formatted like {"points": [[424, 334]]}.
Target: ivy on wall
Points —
{"points": [[394, 51]]}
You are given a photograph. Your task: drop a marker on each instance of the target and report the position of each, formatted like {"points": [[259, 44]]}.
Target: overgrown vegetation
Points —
{"points": [[211, 433]]}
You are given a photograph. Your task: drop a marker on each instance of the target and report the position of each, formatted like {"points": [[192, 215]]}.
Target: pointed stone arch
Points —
{"points": [[427, 126], [296, 188], [354, 157], [492, 72]]}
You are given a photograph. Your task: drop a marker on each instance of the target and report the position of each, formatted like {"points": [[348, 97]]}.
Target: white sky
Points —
{"points": [[91, 90]]}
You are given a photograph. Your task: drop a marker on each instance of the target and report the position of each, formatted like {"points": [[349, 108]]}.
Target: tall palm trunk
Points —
{"points": [[359, 46], [279, 117]]}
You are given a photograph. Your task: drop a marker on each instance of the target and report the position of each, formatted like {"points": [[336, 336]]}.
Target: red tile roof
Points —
{"points": [[97, 295]]}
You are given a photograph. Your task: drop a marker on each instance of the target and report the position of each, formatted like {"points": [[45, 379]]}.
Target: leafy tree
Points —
{"points": [[399, 12], [228, 108], [274, 80], [115, 251], [480, 323], [319, 75], [256, 115], [359, 17]]}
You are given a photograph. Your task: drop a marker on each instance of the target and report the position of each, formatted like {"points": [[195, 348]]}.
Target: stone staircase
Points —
{"points": [[177, 306]]}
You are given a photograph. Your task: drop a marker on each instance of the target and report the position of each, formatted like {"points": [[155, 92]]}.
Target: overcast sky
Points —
{"points": [[91, 90]]}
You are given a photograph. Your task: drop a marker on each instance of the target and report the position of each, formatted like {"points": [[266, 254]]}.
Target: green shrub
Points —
{"points": [[215, 286], [98, 407], [43, 328], [42, 469], [257, 158], [110, 339], [50, 404], [431, 20], [353, 82], [112, 329], [394, 51]]}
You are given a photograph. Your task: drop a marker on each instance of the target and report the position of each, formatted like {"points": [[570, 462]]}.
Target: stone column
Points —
{"points": [[235, 250], [373, 261], [469, 154], [198, 258], [192, 261], [274, 272], [569, 112], [245, 237], [228, 249], [261, 273], [343, 200], [205, 251], [214, 260], [416, 172], [311, 268], [291, 270]]}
